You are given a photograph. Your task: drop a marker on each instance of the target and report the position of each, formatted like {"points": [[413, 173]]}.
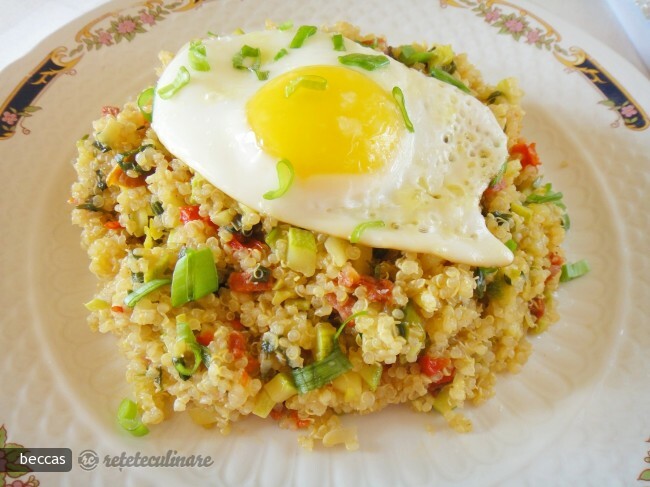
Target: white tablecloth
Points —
{"points": [[24, 23]]}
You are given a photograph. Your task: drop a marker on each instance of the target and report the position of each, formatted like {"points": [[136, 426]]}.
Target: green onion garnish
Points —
{"points": [[281, 53], [255, 55], [499, 175], [369, 62], [143, 290], [285, 25], [337, 40], [182, 78], [304, 31], [447, 78], [197, 56], [316, 375], [285, 179], [145, 103], [195, 275], [547, 196], [348, 320], [261, 274], [399, 98], [511, 244], [309, 81], [362, 227], [566, 221], [157, 208], [409, 56], [127, 417], [184, 334], [572, 271], [480, 273]]}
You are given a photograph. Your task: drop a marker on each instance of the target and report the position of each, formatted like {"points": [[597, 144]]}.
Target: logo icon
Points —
{"points": [[88, 459]]}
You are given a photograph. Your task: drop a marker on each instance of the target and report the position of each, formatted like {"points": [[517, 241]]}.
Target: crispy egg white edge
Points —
{"points": [[229, 136]]}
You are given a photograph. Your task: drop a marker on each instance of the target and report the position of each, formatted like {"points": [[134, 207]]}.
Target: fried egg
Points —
{"points": [[408, 163]]}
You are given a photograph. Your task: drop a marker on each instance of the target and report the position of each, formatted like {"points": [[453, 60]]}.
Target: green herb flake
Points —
{"points": [[369, 62], [182, 79], [399, 98], [304, 31], [498, 177], [281, 53], [147, 288], [285, 25]]}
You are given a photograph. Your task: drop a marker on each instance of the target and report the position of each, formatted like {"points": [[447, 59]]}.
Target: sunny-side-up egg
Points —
{"points": [[401, 168]]}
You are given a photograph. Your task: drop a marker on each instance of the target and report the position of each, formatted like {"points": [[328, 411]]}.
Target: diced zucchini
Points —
{"points": [[362, 264], [111, 133], [281, 296], [441, 401], [324, 340], [337, 247], [263, 404], [301, 253], [350, 385], [97, 305], [281, 387], [412, 329], [371, 374]]}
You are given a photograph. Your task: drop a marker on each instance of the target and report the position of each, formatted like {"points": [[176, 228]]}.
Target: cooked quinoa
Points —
{"points": [[435, 333]]}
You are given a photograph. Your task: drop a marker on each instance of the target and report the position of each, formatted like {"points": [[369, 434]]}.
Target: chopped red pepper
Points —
{"points": [[431, 366], [117, 309], [527, 152], [344, 309], [109, 110], [236, 325], [491, 191], [537, 307], [237, 344], [241, 282], [276, 414], [113, 225], [191, 213], [205, 337], [300, 423], [379, 290], [556, 265], [252, 366], [239, 242]]}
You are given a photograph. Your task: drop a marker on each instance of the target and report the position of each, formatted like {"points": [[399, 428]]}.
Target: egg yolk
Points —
{"points": [[341, 123]]}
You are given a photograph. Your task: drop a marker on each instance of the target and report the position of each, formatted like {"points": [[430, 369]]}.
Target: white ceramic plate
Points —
{"points": [[577, 415]]}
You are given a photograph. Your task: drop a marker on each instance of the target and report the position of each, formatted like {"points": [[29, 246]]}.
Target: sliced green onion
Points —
{"points": [[197, 56], [498, 177], [409, 56], [318, 374], [511, 244], [480, 273], [281, 53], [447, 78], [143, 290], [285, 25], [195, 276], [566, 221], [309, 81], [261, 274], [304, 31], [492, 97], [127, 417], [126, 160], [369, 62], [337, 40], [199, 354], [182, 78], [157, 208], [362, 227], [285, 179], [255, 55], [353, 316], [548, 196], [399, 98], [572, 271], [145, 103]]}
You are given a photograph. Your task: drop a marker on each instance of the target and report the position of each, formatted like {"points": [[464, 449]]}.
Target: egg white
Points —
{"points": [[428, 197]]}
